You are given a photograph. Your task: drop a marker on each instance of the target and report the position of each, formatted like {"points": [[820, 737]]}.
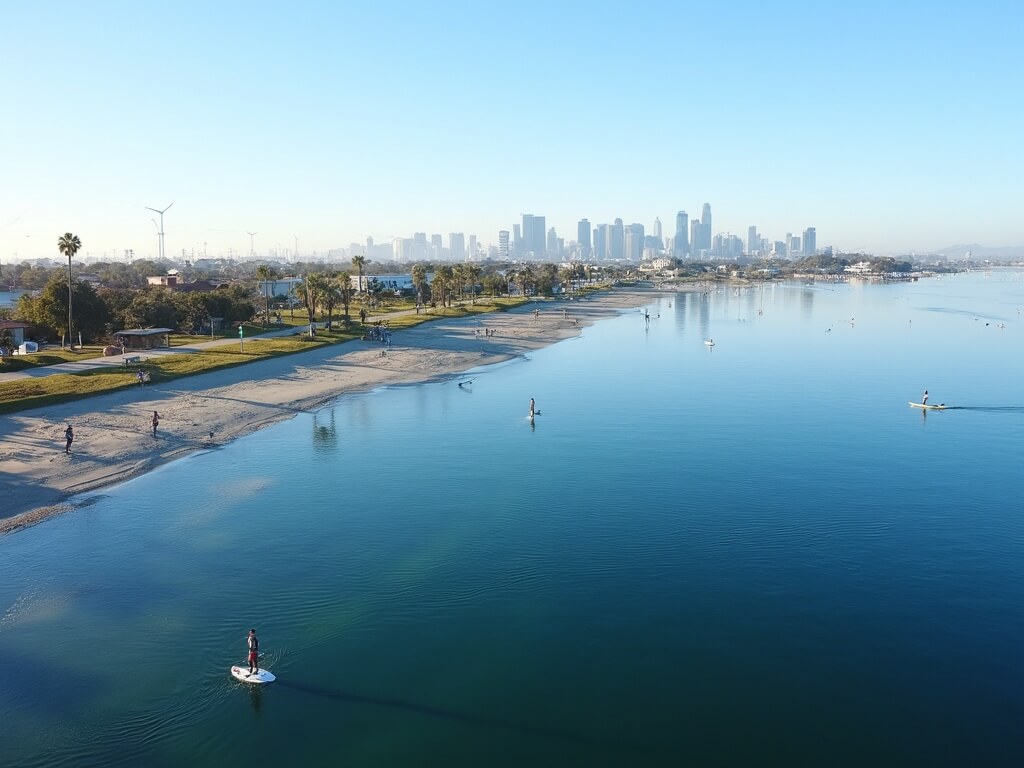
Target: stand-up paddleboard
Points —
{"points": [[259, 676], [939, 407], [709, 343]]}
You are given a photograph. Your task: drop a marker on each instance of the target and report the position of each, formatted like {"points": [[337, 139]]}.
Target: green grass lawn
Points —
{"points": [[49, 356], [23, 394]]}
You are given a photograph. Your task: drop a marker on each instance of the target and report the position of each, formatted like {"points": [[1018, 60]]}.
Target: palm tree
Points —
{"points": [[265, 273], [358, 262], [69, 245], [443, 278], [419, 279], [344, 281], [315, 285], [330, 294]]}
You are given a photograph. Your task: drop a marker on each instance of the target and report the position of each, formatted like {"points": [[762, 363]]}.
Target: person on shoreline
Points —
{"points": [[69, 435], [156, 422], [254, 652], [924, 398]]}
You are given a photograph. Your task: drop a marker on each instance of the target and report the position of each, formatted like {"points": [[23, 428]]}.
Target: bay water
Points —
{"points": [[751, 553]]}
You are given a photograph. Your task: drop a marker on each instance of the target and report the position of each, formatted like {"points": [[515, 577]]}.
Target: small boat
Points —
{"points": [[939, 407], [709, 342]]}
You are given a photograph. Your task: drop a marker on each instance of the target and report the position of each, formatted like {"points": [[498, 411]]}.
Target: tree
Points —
{"points": [[330, 294], [359, 261], [315, 284], [443, 280], [69, 245], [419, 281], [344, 281], [265, 274], [49, 310]]}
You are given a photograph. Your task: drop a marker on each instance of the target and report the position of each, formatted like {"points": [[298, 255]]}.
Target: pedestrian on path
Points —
{"points": [[69, 435], [156, 422]]}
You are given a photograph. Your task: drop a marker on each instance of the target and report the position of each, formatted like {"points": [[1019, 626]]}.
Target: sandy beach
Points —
{"points": [[113, 433]]}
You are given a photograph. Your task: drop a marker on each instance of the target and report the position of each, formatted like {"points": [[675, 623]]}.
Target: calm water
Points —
{"points": [[751, 554]]}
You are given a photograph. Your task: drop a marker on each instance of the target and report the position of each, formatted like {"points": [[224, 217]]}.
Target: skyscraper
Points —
{"points": [[583, 238], [617, 240], [705, 226], [552, 244], [810, 241], [534, 232], [601, 238], [657, 227], [457, 246], [634, 242], [753, 241], [472, 247], [696, 236], [436, 247], [503, 246], [681, 244]]}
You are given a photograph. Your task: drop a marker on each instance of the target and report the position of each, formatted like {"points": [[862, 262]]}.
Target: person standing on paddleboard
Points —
{"points": [[254, 652], [924, 398]]}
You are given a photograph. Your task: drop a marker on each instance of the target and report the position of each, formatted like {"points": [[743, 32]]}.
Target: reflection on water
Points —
{"points": [[325, 432]]}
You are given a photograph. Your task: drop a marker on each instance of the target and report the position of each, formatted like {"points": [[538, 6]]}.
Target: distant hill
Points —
{"points": [[978, 251]]}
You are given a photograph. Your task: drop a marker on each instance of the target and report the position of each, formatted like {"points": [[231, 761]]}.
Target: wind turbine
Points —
{"points": [[252, 251], [156, 210]]}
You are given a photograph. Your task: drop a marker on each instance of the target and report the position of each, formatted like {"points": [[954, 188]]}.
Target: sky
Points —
{"points": [[891, 127]]}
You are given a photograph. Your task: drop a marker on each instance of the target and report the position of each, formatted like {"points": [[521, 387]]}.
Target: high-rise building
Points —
{"points": [[517, 239], [472, 247], [696, 235], [657, 228], [534, 232], [457, 246], [601, 238], [617, 240], [753, 241], [810, 241], [705, 225], [503, 244], [552, 244], [420, 249], [681, 243], [436, 247], [633, 247], [583, 238]]}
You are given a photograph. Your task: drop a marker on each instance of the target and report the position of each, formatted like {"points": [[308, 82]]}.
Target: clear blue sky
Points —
{"points": [[889, 126]]}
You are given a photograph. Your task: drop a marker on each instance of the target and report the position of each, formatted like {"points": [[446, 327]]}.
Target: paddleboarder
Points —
{"points": [[924, 398], [254, 652]]}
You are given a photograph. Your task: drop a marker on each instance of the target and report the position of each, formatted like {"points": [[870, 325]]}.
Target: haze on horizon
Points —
{"points": [[889, 129]]}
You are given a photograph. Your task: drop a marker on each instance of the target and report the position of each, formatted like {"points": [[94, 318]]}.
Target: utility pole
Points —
{"points": [[252, 249]]}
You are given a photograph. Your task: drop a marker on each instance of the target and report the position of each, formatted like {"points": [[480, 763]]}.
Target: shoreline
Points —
{"points": [[113, 439]]}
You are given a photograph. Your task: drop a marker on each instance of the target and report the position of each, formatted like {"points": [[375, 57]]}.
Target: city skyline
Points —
{"points": [[250, 120]]}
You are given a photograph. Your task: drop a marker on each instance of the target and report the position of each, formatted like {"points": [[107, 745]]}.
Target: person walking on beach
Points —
{"points": [[254, 652], [69, 435], [924, 398], [156, 422]]}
